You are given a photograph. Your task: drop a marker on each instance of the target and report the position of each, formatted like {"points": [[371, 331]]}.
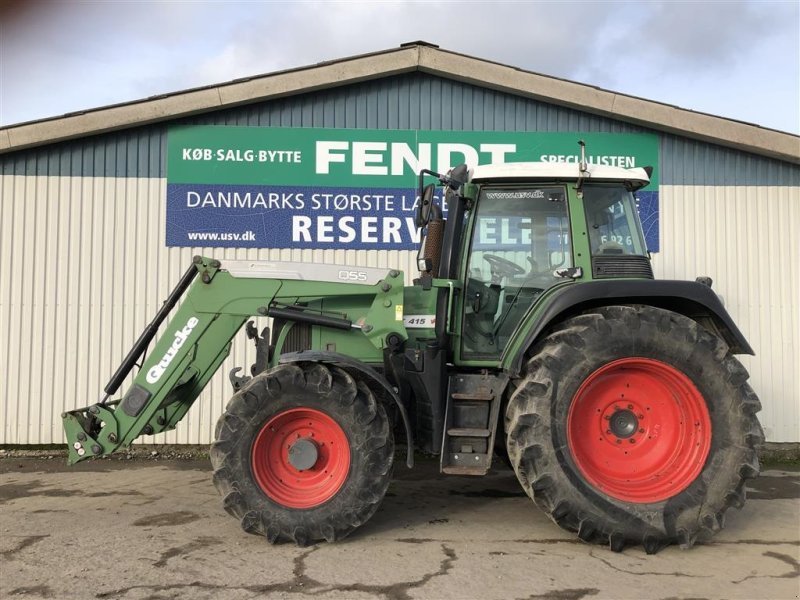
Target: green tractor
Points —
{"points": [[535, 331]]}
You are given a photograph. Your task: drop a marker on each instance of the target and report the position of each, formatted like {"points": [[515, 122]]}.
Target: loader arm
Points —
{"points": [[197, 339]]}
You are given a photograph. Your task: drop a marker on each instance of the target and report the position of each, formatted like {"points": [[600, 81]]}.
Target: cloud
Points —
{"points": [[537, 36], [703, 35], [74, 56], [66, 56], [739, 60]]}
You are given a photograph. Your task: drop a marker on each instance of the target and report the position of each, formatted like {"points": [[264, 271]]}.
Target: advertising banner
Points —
{"points": [[262, 187]]}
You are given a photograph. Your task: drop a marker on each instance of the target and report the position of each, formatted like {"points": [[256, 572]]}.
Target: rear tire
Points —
{"points": [[338, 473], [688, 410]]}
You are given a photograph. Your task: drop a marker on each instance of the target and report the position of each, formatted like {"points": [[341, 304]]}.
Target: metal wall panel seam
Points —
{"points": [[15, 304], [41, 386], [27, 256], [6, 285]]}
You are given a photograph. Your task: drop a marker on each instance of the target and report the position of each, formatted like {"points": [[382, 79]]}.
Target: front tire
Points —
{"points": [[634, 425], [303, 453]]}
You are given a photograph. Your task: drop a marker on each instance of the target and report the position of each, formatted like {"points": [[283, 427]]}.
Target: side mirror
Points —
{"points": [[457, 176], [424, 207]]}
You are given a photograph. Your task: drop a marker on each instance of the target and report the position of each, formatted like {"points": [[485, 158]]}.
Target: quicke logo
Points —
{"points": [[157, 370]]}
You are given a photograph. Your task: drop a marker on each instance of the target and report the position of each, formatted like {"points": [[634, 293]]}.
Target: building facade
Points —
{"points": [[83, 233]]}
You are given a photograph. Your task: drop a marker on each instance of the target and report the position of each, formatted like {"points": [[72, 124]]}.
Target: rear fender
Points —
{"points": [[694, 300]]}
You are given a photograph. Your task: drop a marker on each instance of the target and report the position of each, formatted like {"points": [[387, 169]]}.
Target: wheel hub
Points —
{"points": [[303, 454], [623, 423], [300, 458], [639, 430]]}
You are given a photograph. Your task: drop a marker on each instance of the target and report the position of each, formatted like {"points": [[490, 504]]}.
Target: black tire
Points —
{"points": [[326, 390], [539, 443]]}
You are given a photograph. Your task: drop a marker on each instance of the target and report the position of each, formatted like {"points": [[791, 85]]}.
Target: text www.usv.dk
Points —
{"points": [[247, 236]]}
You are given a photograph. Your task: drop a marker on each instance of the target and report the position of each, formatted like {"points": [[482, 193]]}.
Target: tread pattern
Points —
{"points": [[536, 427], [352, 404]]}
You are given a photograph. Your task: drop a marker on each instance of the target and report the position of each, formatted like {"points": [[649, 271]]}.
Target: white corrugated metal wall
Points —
{"points": [[84, 267], [747, 238]]}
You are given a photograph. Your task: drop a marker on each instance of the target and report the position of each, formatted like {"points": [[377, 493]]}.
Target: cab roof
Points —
{"points": [[524, 171]]}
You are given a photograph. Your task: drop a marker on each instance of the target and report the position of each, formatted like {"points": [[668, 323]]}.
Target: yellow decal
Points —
{"points": [[398, 312]]}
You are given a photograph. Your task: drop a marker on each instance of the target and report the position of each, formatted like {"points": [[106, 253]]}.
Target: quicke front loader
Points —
{"points": [[535, 331]]}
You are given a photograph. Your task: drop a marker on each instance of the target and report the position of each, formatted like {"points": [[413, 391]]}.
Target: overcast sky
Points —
{"points": [[739, 60]]}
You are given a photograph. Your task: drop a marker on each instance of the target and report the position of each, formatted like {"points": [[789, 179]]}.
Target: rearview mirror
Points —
{"points": [[557, 259], [424, 206]]}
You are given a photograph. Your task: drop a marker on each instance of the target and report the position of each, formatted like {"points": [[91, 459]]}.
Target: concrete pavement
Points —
{"points": [[143, 530]]}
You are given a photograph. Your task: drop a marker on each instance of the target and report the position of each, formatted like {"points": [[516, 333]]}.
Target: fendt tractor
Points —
{"points": [[535, 332]]}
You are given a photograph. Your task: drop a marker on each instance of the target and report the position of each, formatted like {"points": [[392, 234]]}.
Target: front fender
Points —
{"points": [[360, 372], [689, 298]]}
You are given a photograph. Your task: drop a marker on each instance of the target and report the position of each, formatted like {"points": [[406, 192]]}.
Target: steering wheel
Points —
{"points": [[501, 267]]}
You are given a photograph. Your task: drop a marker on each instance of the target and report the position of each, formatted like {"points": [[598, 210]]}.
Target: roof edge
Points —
{"points": [[203, 99], [646, 113], [409, 57]]}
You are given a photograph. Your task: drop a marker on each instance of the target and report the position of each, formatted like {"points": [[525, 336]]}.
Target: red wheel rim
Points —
{"points": [[277, 475], [639, 430]]}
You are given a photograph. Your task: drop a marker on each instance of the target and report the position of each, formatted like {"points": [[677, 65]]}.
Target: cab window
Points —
{"points": [[612, 220], [520, 235]]}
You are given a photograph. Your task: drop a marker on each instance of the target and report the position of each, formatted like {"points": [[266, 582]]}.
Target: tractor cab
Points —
{"points": [[499, 268], [516, 232]]}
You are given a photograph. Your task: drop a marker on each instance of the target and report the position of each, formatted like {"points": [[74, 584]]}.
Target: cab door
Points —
{"points": [[519, 235]]}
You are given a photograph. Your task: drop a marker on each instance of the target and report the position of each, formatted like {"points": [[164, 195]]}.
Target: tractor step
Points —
{"points": [[467, 432], [473, 405], [461, 471], [486, 397]]}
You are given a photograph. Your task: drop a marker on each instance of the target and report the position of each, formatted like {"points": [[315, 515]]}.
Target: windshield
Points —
{"points": [[613, 221], [520, 235]]}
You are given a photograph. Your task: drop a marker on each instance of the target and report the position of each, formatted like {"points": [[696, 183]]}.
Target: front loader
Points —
{"points": [[535, 331]]}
